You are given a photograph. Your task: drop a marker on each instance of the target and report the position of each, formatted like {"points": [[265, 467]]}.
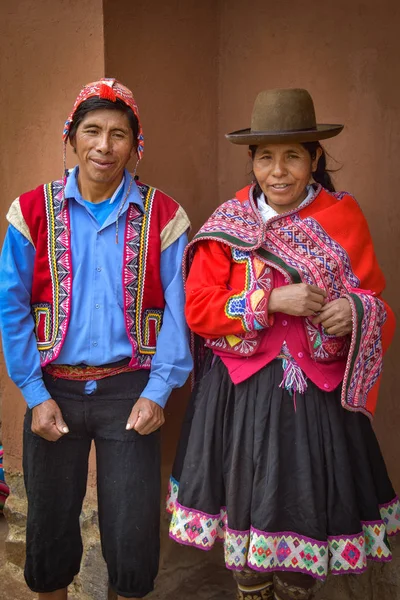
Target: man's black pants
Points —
{"points": [[128, 487]]}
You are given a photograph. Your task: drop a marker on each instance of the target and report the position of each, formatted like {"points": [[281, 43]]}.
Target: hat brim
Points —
{"points": [[250, 138]]}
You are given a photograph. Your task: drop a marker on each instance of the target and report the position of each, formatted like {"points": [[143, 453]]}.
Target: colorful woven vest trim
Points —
{"points": [[44, 219]]}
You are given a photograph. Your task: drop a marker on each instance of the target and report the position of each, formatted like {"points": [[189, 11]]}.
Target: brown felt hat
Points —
{"points": [[280, 116]]}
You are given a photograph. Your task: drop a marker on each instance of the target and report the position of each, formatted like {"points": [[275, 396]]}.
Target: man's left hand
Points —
{"points": [[336, 317], [146, 416]]}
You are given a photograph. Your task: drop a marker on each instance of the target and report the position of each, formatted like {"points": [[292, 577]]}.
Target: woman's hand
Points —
{"points": [[336, 317], [297, 299]]}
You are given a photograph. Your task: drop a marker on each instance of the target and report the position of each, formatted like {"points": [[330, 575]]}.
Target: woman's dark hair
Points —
{"points": [[321, 174], [96, 103]]}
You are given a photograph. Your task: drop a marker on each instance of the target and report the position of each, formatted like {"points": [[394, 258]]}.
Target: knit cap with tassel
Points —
{"points": [[112, 90]]}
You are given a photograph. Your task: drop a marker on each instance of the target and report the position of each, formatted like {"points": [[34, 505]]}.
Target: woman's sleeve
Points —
{"points": [[373, 319], [213, 307]]}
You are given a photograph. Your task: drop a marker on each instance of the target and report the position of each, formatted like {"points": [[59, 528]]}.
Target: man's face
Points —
{"points": [[103, 144]]}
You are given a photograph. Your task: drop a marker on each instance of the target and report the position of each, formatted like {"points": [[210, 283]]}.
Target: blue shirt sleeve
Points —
{"points": [[172, 361], [16, 320]]}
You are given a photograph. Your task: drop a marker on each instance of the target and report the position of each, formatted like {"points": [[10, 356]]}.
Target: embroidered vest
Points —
{"points": [[47, 220]]}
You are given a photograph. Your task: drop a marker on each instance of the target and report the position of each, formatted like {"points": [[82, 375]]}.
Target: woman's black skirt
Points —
{"points": [[293, 486]]}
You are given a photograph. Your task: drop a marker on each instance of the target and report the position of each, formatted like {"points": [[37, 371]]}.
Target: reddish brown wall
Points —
{"points": [[48, 51], [196, 68], [166, 52], [346, 55]]}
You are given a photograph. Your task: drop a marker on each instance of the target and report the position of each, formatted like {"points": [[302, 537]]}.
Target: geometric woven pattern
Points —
{"points": [[131, 267], [172, 496], [284, 551], [195, 528], [365, 359], [59, 256], [390, 514], [250, 305], [134, 273], [348, 554], [236, 546], [192, 527], [376, 542], [287, 551]]}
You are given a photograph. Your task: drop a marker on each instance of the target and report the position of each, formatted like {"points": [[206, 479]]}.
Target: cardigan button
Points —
{"points": [[300, 354], [326, 386], [284, 322]]}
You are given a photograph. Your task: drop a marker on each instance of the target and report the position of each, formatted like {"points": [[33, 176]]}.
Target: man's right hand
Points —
{"points": [[48, 422], [297, 299]]}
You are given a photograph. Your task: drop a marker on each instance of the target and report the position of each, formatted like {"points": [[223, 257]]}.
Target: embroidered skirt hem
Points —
{"points": [[285, 487], [284, 550]]}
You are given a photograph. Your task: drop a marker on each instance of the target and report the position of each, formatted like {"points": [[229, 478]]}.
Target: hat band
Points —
{"points": [[275, 131]]}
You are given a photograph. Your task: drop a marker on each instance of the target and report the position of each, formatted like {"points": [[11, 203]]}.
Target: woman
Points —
{"points": [[277, 457]]}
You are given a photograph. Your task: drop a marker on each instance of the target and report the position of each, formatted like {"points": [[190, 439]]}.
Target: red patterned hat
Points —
{"points": [[109, 89]]}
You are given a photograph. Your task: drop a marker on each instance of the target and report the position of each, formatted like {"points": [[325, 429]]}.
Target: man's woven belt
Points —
{"points": [[86, 372]]}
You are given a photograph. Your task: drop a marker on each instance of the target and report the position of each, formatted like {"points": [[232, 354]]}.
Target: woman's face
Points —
{"points": [[283, 172]]}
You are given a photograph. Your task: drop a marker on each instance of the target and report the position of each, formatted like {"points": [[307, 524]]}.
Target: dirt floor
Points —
{"points": [[183, 576], [199, 582], [9, 589]]}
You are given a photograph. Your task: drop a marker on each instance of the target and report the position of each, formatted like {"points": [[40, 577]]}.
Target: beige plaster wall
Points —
{"points": [[49, 49], [346, 55]]}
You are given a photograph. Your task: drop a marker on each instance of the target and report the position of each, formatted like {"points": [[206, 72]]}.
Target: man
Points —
{"points": [[94, 335]]}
